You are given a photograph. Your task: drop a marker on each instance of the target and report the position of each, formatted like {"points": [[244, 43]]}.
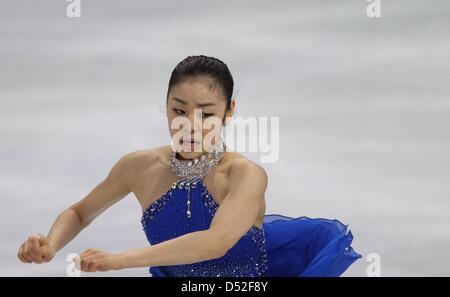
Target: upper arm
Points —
{"points": [[113, 188], [240, 208]]}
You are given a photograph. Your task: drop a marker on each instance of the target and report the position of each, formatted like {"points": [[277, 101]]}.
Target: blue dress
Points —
{"points": [[285, 246]]}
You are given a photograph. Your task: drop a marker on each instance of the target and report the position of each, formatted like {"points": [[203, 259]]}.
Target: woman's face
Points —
{"points": [[195, 113]]}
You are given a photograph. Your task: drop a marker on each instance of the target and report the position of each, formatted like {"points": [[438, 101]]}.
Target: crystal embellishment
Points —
{"points": [[197, 169]]}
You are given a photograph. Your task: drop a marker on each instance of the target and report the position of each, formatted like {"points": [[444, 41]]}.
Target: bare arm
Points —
{"points": [[78, 216], [188, 248]]}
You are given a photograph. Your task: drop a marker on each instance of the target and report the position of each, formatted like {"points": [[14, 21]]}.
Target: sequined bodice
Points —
{"points": [[166, 218]]}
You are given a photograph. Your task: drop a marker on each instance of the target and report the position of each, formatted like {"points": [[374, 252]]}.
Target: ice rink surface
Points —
{"points": [[364, 108]]}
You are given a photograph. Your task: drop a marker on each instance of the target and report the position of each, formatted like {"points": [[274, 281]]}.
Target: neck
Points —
{"points": [[181, 158]]}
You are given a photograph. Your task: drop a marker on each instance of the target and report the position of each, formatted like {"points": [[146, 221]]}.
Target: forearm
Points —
{"points": [[66, 226], [188, 248]]}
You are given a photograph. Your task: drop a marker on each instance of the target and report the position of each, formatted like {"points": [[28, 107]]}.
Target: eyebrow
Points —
{"points": [[198, 104]]}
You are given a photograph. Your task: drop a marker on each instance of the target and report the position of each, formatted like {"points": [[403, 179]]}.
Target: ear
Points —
{"points": [[230, 111]]}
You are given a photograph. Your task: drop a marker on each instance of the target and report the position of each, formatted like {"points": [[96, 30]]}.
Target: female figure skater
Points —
{"points": [[203, 204]]}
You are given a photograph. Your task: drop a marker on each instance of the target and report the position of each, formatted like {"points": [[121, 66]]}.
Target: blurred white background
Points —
{"points": [[363, 103]]}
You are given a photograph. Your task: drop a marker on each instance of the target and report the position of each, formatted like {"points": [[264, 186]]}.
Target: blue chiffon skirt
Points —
{"points": [[307, 247]]}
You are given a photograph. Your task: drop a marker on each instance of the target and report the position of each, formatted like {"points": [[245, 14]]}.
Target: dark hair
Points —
{"points": [[203, 65]]}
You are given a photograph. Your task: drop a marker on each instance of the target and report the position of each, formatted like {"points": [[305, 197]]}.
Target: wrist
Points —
{"points": [[52, 247], [121, 261]]}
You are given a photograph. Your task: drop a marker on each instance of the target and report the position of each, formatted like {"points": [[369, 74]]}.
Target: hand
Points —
{"points": [[93, 260], [36, 249]]}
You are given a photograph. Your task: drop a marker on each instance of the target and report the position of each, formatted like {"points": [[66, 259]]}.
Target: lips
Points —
{"points": [[189, 142]]}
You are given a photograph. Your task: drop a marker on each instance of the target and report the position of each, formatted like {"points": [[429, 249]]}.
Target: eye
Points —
{"points": [[178, 111], [207, 115]]}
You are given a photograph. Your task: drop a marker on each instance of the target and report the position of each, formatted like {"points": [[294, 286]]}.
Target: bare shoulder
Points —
{"points": [[158, 154], [143, 160], [242, 169]]}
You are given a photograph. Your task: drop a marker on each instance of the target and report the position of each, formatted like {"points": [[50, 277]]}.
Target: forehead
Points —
{"points": [[197, 90]]}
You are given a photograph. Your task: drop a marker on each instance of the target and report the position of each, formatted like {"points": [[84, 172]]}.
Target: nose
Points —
{"points": [[196, 123], [196, 119]]}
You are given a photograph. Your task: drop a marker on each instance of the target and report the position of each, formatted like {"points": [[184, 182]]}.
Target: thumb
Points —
{"points": [[47, 252], [42, 239]]}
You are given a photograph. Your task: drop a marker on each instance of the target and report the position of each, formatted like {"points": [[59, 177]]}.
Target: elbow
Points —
{"points": [[220, 250], [79, 217], [220, 246]]}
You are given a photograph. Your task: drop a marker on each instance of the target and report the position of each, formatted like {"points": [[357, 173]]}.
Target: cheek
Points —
{"points": [[211, 134], [172, 131], [170, 119], [206, 130], [210, 130], [177, 127]]}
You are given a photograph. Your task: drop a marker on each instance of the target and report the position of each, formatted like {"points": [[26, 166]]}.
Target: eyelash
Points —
{"points": [[206, 115]]}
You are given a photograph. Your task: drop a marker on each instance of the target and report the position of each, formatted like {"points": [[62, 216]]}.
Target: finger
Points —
{"points": [[101, 266], [96, 264], [84, 263], [86, 253], [42, 239], [87, 261], [91, 251], [35, 248], [37, 252], [20, 255], [38, 260], [26, 252], [86, 258], [27, 256], [26, 244], [91, 266]]}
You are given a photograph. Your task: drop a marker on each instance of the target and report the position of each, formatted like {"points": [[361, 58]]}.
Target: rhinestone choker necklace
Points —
{"points": [[198, 167], [194, 170]]}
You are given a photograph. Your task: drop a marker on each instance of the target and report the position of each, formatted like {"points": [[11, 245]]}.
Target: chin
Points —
{"points": [[193, 153], [190, 155]]}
